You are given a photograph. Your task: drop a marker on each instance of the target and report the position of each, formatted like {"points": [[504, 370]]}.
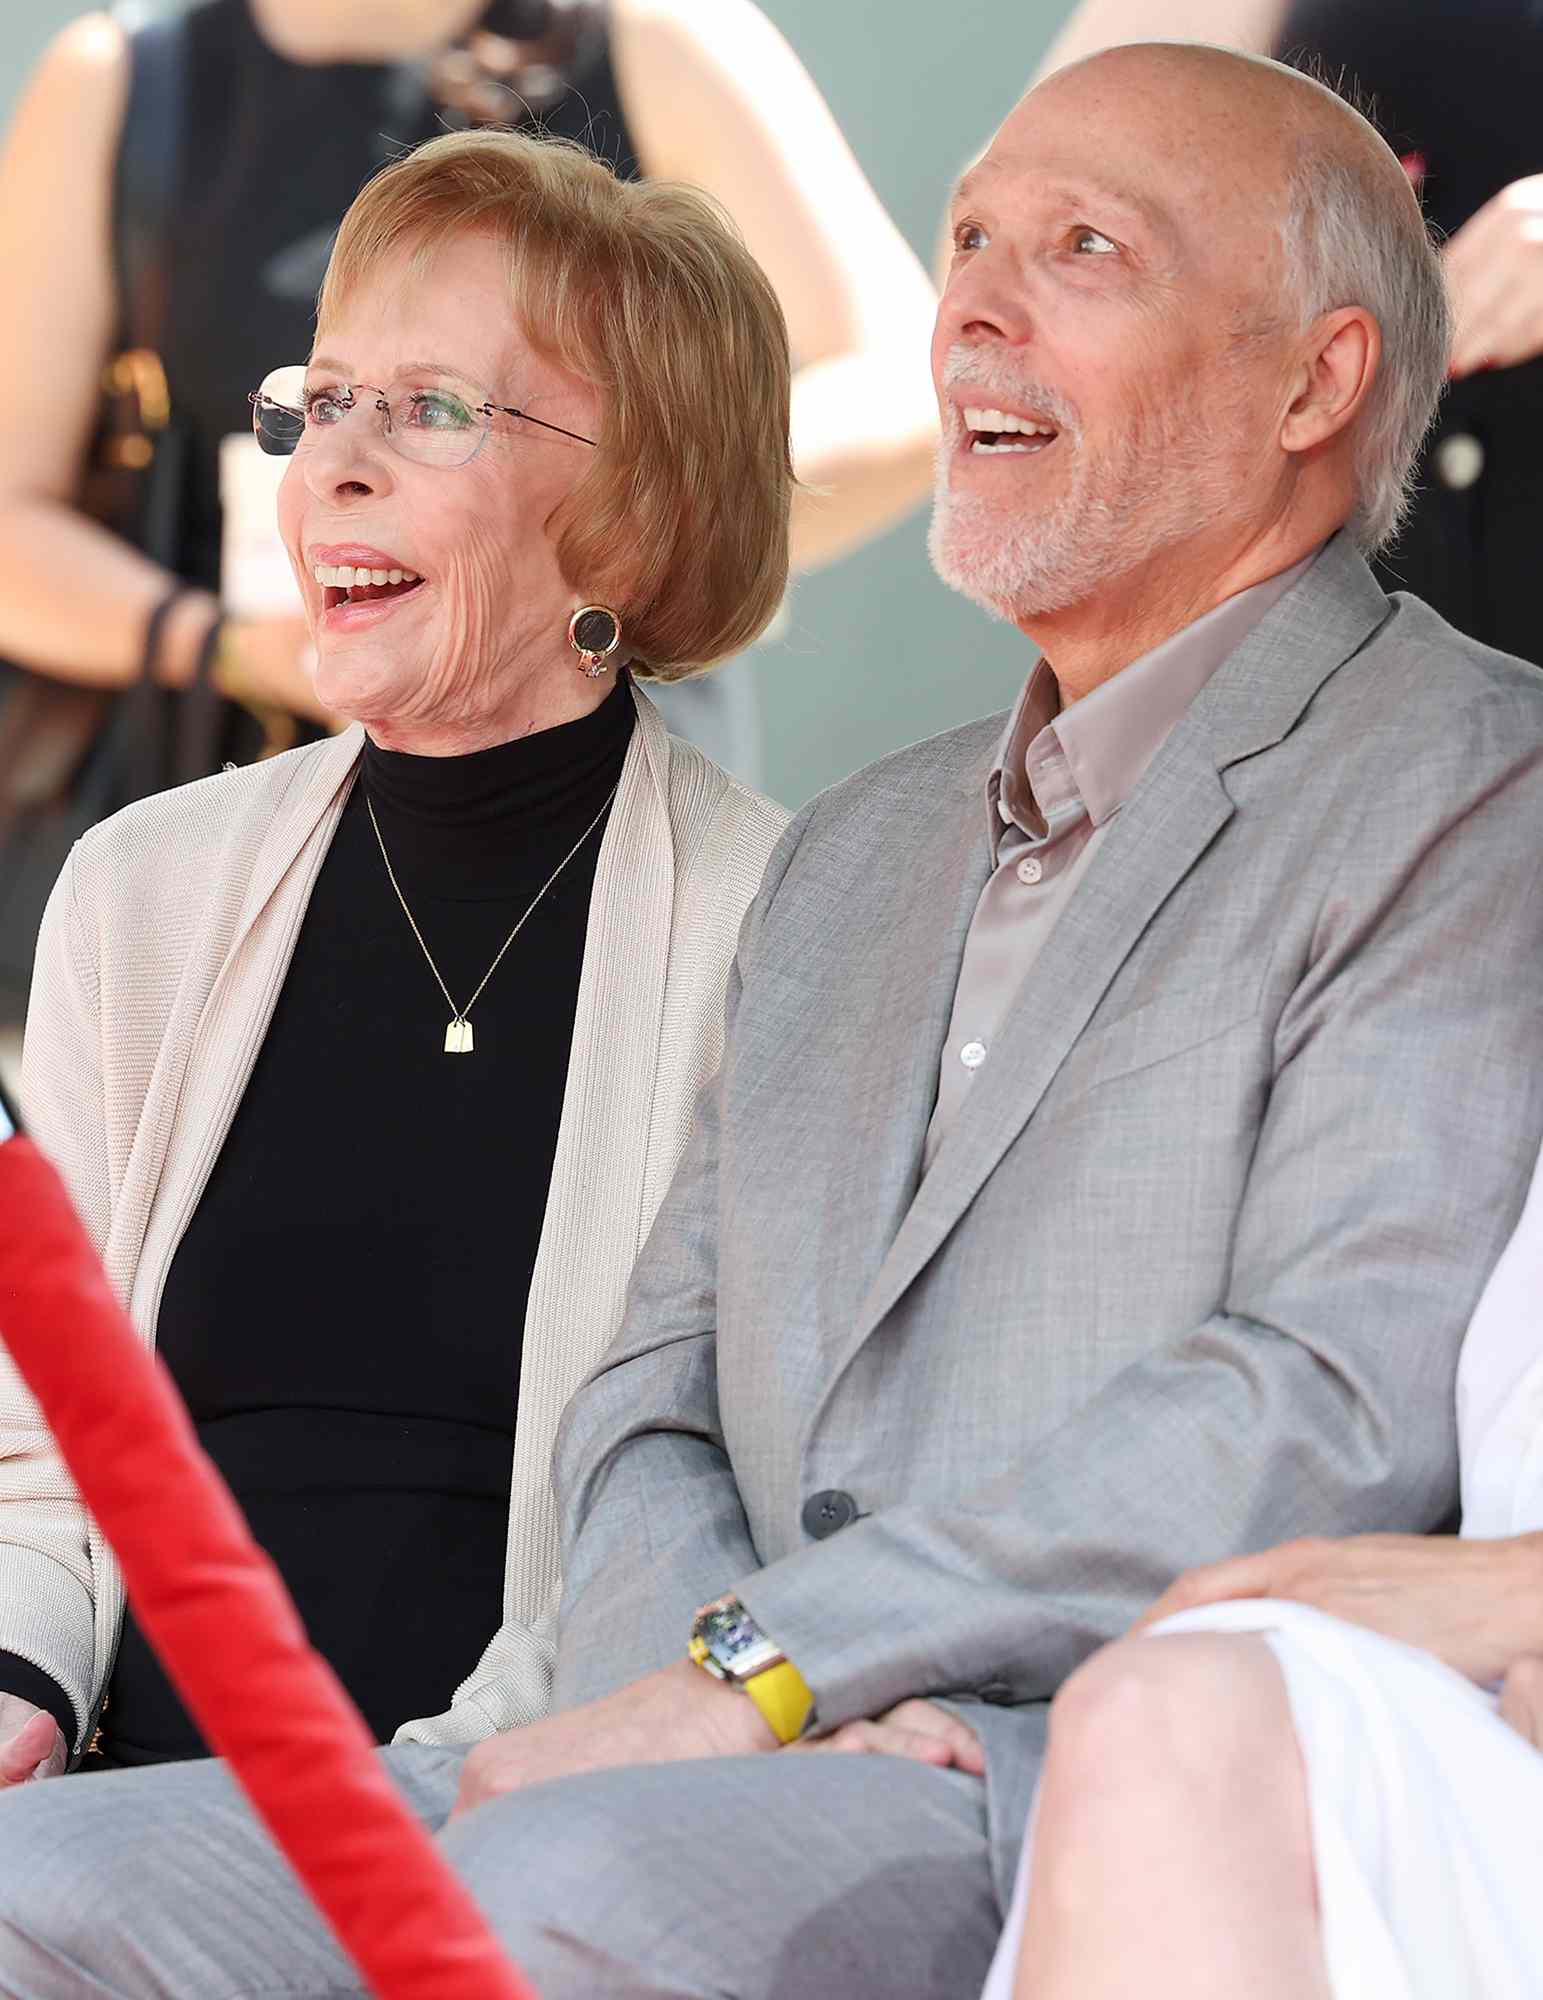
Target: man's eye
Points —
{"points": [[970, 236], [1092, 243]]}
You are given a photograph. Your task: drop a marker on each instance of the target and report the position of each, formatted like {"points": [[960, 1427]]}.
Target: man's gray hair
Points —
{"points": [[1347, 243]]}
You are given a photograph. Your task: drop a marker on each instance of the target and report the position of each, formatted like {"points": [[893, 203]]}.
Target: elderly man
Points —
{"points": [[1121, 1111]]}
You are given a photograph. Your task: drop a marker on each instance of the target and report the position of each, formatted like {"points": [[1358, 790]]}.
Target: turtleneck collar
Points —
{"points": [[489, 805], [527, 778]]}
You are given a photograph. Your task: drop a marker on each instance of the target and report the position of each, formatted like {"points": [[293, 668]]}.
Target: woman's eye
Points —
{"points": [[970, 236], [326, 406], [1092, 243], [430, 410]]}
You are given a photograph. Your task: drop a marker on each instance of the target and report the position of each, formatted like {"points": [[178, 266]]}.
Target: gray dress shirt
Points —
{"points": [[1059, 779]]}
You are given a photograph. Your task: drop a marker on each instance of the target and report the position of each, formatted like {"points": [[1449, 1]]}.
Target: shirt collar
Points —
{"points": [[1110, 737]]}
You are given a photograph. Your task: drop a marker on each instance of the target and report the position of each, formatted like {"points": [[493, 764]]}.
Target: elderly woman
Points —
{"points": [[369, 1065], [1314, 1772]]}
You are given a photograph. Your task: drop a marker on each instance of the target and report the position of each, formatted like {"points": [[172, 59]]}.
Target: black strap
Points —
{"points": [[150, 652], [145, 184]]}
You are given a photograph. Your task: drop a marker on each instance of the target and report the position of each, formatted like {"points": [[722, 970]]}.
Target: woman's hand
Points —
{"points": [[1476, 1605], [31, 1745], [1495, 269], [1521, 1699], [920, 1730]]}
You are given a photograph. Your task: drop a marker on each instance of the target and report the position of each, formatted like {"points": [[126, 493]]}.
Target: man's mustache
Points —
{"points": [[969, 368]]}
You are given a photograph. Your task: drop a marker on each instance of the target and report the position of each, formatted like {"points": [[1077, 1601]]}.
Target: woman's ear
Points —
{"points": [[1335, 372]]}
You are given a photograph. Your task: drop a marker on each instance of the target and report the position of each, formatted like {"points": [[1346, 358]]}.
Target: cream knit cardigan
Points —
{"points": [[161, 956]]}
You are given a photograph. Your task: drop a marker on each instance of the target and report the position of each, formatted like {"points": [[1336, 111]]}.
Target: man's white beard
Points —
{"points": [[1167, 480], [1022, 568]]}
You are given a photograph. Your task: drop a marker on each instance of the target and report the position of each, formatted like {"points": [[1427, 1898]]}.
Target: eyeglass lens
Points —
{"points": [[430, 423]]}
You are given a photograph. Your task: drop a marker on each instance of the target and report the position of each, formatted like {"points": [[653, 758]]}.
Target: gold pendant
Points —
{"points": [[458, 1039]]}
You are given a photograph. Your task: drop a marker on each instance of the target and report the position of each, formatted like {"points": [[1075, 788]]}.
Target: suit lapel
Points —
{"points": [[1176, 812], [1146, 852]]}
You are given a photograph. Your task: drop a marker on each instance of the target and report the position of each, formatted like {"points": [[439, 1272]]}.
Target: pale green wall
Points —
{"points": [[878, 652]]}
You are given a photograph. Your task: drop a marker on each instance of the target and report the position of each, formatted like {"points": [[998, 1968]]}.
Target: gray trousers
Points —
{"points": [[805, 1877]]}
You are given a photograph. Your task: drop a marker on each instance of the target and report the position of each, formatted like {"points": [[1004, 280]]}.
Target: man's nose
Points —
{"points": [[350, 460], [983, 301]]}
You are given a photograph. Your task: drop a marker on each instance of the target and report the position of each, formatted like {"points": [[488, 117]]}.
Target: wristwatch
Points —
{"points": [[727, 1643]]}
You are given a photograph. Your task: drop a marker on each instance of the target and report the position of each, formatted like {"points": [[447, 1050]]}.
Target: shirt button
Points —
{"points": [[973, 1054], [1030, 870]]}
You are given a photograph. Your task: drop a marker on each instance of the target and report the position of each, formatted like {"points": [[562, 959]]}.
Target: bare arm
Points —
{"points": [[74, 598], [1104, 24], [715, 96]]}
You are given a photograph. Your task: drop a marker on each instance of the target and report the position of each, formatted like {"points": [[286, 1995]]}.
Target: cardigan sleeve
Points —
{"points": [[46, 1585]]}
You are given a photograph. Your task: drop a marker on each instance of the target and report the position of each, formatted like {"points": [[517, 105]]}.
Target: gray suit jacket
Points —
{"points": [[1190, 1273]]}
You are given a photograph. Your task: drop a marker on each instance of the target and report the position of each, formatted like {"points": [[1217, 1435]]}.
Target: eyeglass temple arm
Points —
{"points": [[505, 410]]}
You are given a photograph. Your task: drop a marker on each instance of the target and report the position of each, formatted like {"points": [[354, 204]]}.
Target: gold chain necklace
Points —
{"points": [[458, 1035]]}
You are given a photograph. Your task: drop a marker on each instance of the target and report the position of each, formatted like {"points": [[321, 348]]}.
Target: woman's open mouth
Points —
{"points": [[349, 583]]}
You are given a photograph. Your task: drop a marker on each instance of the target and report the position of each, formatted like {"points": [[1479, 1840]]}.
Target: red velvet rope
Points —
{"points": [[220, 1618]]}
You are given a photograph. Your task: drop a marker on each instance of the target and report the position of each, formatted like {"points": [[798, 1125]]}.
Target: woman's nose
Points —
{"points": [[350, 459]]}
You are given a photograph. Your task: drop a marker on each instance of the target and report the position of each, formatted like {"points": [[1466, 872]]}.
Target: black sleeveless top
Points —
{"points": [[271, 154], [1454, 87]]}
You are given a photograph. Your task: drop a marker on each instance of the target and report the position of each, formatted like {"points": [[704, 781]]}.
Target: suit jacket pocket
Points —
{"points": [[1156, 1032]]}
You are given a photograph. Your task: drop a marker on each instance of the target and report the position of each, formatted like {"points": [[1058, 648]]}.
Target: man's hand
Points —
{"points": [[1476, 1605], [1494, 266], [679, 1713], [31, 1745], [919, 1730]]}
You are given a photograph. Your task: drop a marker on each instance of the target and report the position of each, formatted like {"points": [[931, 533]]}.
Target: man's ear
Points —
{"points": [[1335, 372]]}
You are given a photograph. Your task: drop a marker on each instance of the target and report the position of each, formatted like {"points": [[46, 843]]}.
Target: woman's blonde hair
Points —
{"points": [[644, 290]]}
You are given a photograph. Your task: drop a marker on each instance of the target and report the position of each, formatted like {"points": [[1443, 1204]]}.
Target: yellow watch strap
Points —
{"points": [[783, 1696]]}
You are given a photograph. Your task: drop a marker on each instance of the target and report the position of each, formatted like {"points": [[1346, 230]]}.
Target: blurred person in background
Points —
{"points": [[266, 116], [1451, 85], [378, 1233]]}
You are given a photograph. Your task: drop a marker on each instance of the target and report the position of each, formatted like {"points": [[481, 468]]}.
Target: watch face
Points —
{"points": [[734, 1639]]}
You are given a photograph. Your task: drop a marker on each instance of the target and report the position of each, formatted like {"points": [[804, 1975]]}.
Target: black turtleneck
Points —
{"points": [[344, 1313]]}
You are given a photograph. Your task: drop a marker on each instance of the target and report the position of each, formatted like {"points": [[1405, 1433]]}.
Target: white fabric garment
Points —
{"points": [[1427, 1809]]}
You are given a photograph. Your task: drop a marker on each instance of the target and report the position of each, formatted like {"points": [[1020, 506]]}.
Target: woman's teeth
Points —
{"points": [[346, 576], [994, 430]]}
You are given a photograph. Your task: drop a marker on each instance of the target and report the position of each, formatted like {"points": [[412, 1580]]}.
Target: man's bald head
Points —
{"points": [[1230, 112], [1292, 181]]}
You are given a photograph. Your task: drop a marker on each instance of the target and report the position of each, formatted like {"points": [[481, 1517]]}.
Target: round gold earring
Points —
{"points": [[594, 633]]}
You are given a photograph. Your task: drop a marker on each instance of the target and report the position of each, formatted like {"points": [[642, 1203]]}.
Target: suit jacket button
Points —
{"points": [[825, 1512], [998, 1693]]}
